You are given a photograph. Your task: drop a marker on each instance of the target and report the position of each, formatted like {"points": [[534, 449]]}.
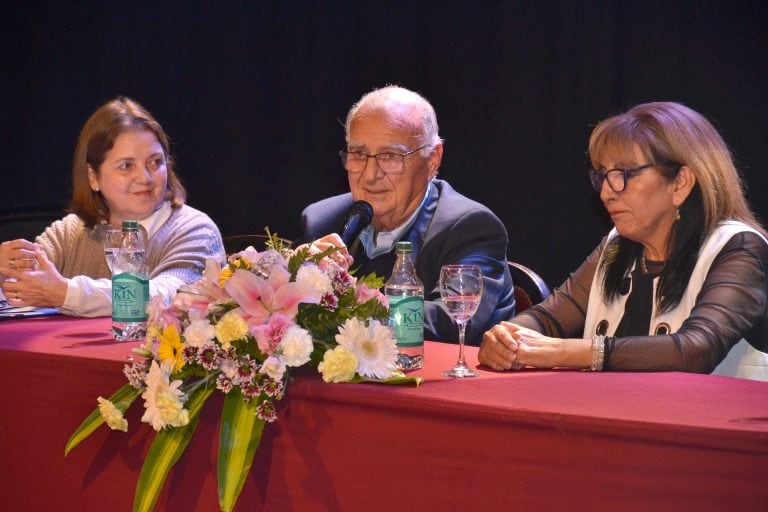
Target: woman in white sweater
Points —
{"points": [[122, 170]]}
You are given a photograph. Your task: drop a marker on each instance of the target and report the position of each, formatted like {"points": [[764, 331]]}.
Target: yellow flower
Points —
{"points": [[153, 333], [231, 327], [338, 365], [112, 415], [225, 274], [171, 348], [230, 268]]}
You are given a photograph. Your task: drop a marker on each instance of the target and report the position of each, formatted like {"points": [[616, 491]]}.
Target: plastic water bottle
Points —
{"points": [[405, 292], [130, 286]]}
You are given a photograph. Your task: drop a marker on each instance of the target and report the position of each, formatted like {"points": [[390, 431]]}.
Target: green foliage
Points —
{"points": [[166, 449], [299, 257], [303, 255], [274, 242], [397, 380], [371, 281], [372, 309], [320, 322], [239, 438]]}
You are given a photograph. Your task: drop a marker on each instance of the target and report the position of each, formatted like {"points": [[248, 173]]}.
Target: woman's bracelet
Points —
{"points": [[598, 352]]}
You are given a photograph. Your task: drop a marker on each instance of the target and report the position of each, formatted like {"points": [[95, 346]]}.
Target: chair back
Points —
{"points": [[530, 288], [237, 243], [27, 224]]}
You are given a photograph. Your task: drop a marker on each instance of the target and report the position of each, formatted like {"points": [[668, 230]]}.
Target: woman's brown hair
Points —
{"points": [[96, 139]]}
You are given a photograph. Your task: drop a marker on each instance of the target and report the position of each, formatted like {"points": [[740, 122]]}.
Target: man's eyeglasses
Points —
{"points": [[388, 162], [617, 178]]}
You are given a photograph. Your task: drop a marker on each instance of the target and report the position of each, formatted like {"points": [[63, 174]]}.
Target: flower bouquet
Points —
{"points": [[238, 331]]}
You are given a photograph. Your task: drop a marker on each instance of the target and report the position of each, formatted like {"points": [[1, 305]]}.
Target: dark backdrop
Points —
{"points": [[253, 95]]}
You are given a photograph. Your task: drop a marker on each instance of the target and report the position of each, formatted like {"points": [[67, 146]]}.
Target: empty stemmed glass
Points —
{"points": [[461, 287]]}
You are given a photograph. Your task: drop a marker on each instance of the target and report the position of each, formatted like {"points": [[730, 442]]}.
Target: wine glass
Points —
{"points": [[113, 239], [461, 287]]}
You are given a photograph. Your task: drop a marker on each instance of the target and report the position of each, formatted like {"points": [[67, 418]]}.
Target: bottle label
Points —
{"points": [[130, 294], [406, 319]]}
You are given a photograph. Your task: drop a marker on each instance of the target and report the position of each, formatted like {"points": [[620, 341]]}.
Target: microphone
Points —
{"points": [[359, 216]]}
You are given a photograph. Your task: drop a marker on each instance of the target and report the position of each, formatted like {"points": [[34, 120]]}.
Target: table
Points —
{"points": [[529, 440]]}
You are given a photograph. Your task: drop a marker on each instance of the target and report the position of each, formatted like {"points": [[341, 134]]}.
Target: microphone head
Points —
{"points": [[362, 208], [359, 216]]}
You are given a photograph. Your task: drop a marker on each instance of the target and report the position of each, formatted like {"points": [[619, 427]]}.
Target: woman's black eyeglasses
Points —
{"points": [[617, 178]]}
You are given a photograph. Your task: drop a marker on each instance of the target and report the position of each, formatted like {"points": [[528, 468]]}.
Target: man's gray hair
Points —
{"points": [[384, 97]]}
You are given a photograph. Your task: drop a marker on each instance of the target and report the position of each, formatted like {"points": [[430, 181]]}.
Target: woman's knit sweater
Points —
{"points": [[176, 255]]}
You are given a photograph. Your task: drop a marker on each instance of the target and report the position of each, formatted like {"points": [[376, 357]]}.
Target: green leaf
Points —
{"points": [[166, 449], [399, 380], [298, 258], [316, 258], [372, 309], [274, 242], [371, 281], [239, 438], [320, 322], [122, 399]]}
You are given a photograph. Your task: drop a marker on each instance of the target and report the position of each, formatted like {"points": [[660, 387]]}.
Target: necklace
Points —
{"points": [[656, 266]]}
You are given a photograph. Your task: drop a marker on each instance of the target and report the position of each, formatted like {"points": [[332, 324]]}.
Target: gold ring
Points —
{"points": [[12, 263]]}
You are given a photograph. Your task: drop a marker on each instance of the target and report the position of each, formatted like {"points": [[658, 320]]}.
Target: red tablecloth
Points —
{"points": [[530, 440]]}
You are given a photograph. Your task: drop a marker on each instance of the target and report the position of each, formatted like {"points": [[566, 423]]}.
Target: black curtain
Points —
{"points": [[253, 95]]}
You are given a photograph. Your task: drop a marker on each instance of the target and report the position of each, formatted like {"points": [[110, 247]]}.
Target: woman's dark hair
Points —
{"points": [[682, 246], [96, 139]]}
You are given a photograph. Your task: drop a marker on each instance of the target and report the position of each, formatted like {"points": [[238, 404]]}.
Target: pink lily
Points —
{"points": [[197, 298], [162, 315], [259, 298], [248, 254]]}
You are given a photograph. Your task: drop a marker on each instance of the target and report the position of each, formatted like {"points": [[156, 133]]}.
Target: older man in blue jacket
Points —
{"points": [[392, 156]]}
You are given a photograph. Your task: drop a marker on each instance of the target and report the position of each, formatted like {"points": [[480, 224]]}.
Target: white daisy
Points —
{"points": [[295, 346], [372, 344]]}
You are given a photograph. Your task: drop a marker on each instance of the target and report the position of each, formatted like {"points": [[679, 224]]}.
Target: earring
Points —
{"points": [[677, 213], [96, 189]]}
